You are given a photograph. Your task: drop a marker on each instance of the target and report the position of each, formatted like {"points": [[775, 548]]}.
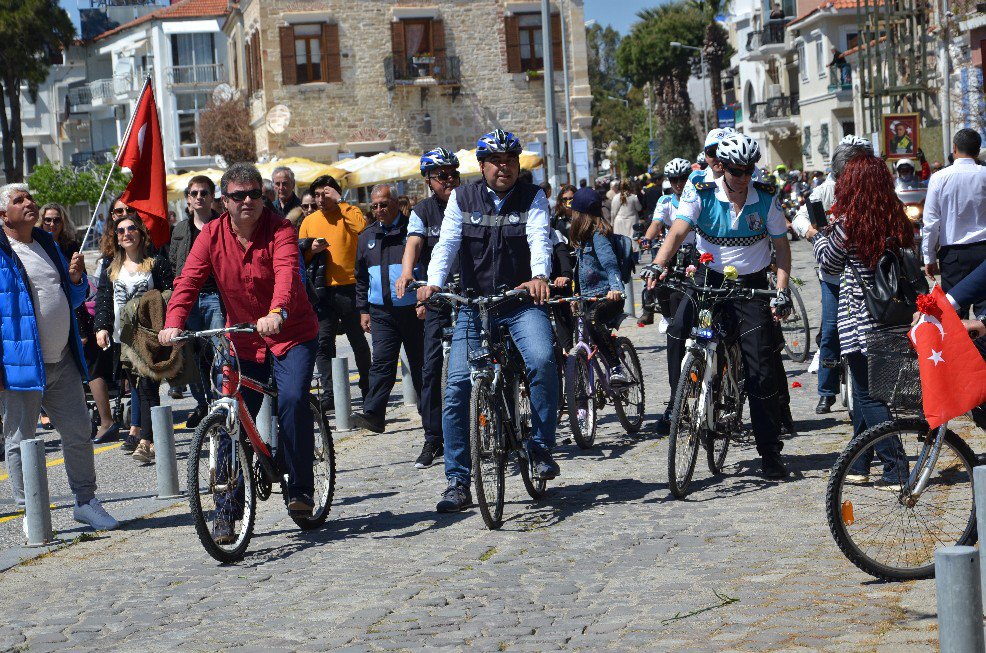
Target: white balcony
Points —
{"points": [[197, 75]]}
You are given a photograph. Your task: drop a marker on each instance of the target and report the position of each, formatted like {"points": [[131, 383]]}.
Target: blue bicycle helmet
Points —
{"points": [[497, 142], [437, 158]]}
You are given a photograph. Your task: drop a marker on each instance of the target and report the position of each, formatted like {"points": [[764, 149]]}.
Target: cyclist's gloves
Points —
{"points": [[782, 304], [652, 271], [645, 243]]}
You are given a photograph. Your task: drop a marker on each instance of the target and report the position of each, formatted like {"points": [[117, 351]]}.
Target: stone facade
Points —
{"points": [[364, 113]]}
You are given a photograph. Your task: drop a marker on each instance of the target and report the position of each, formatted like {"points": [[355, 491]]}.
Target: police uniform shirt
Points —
{"points": [[737, 240], [664, 213]]}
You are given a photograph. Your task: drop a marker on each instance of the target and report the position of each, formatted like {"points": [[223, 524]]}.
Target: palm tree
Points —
{"points": [[715, 45]]}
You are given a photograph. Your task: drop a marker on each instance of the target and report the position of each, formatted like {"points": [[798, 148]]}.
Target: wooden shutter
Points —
{"points": [[258, 72], [397, 42], [289, 63], [438, 39], [511, 30], [248, 66], [331, 57], [556, 49]]}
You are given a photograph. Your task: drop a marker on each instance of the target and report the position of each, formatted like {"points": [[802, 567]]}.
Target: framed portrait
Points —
{"points": [[901, 135]]}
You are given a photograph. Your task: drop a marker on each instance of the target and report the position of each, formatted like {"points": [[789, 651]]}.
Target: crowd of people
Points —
{"points": [[307, 266]]}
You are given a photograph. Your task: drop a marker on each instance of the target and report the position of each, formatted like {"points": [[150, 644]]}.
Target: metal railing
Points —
{"points": [[771, 34], [782, 106], [97, 156], [212, 73], [78, 97], [840, 78], [406, 70]]}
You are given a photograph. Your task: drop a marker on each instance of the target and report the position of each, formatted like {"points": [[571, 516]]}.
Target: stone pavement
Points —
{"points": [[608, 560]]}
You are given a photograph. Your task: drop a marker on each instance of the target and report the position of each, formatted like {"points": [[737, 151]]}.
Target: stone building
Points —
{"points": [[325, 79]]}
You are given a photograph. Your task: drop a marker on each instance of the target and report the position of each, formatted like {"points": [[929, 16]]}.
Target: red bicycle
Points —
{"points": [[233, 461]]}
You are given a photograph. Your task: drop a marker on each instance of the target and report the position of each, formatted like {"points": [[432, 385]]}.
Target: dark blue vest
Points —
{"points": [[494, 250], [431, 213]]}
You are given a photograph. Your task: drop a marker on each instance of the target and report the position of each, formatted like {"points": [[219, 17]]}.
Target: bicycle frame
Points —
{"points": [[585, 343]]}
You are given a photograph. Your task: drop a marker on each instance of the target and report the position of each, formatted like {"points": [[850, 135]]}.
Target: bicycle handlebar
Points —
{"points": [[244, 327], [580, 298], [455, 298]]}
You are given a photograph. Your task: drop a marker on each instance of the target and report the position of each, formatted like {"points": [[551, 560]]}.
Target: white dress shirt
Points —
{"points": [[955, 208]]}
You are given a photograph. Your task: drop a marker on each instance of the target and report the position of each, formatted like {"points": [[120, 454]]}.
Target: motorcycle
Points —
{"points": [[913, 201]]}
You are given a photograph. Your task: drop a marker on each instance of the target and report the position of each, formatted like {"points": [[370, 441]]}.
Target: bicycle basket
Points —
{"points": [[892, 367]]}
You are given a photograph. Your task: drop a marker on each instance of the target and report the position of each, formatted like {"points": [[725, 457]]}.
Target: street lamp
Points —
{"points": [[701, 58]]}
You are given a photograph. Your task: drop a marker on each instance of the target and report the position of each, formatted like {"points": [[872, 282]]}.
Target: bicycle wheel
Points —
{"points": [[522, 422], [221, 488], [486, 440], [727, 402], [797, 329], [684, 437], [324, 464], [629, 401], [581, 403], [881, 529]]}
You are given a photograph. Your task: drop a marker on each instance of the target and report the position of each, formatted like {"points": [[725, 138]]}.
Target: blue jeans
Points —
{"points": [[867, 413], [206, 314], [531, 331], [828, 344]]}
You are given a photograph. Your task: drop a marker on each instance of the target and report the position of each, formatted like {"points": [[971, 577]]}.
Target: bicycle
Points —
{"points": [[233, 459], [890, 528], [795, 327], [707, 407], [499, 408], [587, 383]]}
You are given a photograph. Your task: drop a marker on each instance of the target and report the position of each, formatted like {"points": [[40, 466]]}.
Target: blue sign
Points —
{"points": [[727, 118]]}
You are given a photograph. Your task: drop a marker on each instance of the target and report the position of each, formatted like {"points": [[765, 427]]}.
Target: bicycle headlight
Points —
{"points": [[703, 333], [913, 212], [705, 318]]}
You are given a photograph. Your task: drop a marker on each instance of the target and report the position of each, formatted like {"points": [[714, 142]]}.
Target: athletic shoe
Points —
{"points": [[429, 452], [222, 531], [456, 497], [95, 515], [130, 443], [301, 506], [196, 416], [773, 467], [662, 326], [858, 479], [617, 377], [369, 422]]}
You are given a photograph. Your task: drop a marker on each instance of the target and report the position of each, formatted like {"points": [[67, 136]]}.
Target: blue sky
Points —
{"points": [[618, 13], [72, 7]]}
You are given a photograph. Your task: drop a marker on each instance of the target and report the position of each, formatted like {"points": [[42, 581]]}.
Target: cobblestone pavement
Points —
{"points": [[608, 560]]}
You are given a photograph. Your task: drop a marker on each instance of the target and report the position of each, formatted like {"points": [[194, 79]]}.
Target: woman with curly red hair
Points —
{"points": [[869, 219]]}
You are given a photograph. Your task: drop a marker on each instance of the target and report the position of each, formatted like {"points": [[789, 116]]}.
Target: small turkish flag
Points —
{"points": [[953, 373], [143, 153]]}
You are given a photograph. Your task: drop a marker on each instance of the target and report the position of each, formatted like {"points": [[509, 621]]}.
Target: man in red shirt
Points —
{"points": [[252, 254]]}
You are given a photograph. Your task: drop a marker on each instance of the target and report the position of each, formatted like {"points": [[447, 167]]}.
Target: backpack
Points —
{"points": [[897, 282], [625, 256]]}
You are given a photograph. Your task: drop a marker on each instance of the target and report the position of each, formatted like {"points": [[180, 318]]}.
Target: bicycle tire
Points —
{"points": [[633, 395], [522, 420], [955, 455], [797, 329], [581, 403], [681, 469], [444, 377], [202, 445], [324, 464], [488, 454], [718, 442]]}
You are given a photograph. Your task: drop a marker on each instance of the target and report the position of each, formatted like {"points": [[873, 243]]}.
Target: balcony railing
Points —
{"points": [[840, 78], [79, 97], [771, 34], [442, 70], [212, 73], [97, 156], [783, 106]]}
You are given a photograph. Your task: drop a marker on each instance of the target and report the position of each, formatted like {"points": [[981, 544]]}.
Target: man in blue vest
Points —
{"points": [[440, 168], [503, 227]]}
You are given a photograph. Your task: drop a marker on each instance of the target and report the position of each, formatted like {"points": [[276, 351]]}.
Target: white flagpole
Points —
{"points": [[126, 138]]}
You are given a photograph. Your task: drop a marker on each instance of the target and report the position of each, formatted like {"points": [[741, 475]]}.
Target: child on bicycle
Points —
{"points": [[598, 273]]}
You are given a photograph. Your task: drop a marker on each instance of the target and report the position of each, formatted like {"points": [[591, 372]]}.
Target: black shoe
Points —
{"points": [[787, 426], [544, 465], [175, 392], [196, 416], [456, 497], [773, 467], [129, 444], [222, 531], [429, 452], [301, 506], [112, 434], [328, 404], [824, 405], [645, 319], [663, 425], [369, 422]]}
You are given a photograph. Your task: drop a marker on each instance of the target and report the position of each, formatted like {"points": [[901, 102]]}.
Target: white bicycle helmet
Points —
{"points": [[715, 136], [852, 139], [700, 159], [738, 149], [677, 168]]}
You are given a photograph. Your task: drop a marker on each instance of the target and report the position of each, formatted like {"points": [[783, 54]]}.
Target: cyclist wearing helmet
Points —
{"points": [[502, 226], [733, 217], [440, 168], [700, 160]]}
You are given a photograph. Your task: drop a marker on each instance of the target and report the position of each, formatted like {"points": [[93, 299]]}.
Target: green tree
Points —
{"points": [[32, 34], [69, 186], [716, 45]]}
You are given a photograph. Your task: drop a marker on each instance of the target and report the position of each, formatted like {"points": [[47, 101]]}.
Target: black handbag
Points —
{"points": [[897, 282]]}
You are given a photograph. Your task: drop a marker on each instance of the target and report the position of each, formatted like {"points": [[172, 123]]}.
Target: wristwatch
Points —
{"points": [[542, 277], [280, 311]]}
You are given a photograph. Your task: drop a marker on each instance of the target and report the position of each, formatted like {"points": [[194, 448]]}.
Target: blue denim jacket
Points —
{"points": [[598, 269]]}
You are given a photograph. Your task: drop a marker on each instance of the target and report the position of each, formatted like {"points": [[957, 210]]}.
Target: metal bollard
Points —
{"points": [[979, 486], [629, 304], [165, 460], [407, 385], [341, 393], [960, 605], [37, 515]]}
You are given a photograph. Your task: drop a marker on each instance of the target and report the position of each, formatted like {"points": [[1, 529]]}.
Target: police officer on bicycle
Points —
{"points": [[733, 218], [501, 225]]}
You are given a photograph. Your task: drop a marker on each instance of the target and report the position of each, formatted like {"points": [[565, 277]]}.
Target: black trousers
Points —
{"points": [[337, 310], [436, 320], [752, 323], [670, 302], [600, 316], [956, 262], [564, 324], [392, 327]]}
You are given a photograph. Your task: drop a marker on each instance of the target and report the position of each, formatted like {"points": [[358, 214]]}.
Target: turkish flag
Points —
{"points": [[143, 153], [953, 373]]}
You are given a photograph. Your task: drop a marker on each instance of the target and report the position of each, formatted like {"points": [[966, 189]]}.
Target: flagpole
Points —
{"points": [[126, 137]]}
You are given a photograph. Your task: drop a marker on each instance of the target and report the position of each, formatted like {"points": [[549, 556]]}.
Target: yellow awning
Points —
{"points": [[469, 166], [378, 169]]}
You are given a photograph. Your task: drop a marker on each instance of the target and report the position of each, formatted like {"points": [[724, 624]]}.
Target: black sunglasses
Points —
{"points": [[125, 230], [445, 176], [309, 206], [678, 180], [739, 172], [199, 193], [124, 211], [240, 195], [380, 205]]}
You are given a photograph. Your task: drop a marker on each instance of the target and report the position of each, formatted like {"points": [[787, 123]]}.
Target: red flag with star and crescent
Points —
{"points": [[143, 153], [953, 373]]}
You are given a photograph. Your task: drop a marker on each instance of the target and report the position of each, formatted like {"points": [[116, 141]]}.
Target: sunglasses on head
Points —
{"points": [[126, 230], [124, 211], [379, 205], [199, 193], [240, 195], [312, 206], [445, 176], [739, 172]]}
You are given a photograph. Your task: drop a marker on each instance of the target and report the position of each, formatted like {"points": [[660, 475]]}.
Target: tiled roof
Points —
{"points": [[182, 9], [832, 4]]}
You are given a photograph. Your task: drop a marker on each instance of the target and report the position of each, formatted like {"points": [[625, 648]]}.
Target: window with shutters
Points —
{"points": [[254, 75], [418, 48], [308, 53], [525, 45], [531, 54]]}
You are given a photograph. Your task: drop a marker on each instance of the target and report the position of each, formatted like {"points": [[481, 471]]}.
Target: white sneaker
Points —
{"points": [[94, 514], [662, 326]]}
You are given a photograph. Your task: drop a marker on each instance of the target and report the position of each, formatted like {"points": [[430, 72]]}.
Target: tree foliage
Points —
{"points": [[32, 34], [224, 130], [716, 45], [69, 186]]}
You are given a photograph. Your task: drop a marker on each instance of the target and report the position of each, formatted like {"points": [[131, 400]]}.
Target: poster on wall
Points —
{"points": [[901, 135]]}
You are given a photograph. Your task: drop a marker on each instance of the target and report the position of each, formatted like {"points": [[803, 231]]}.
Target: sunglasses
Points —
{"points": [[379, 205], [309, 206], [124, 211], [739, 172], [678, 180], [240, 195], [566, 201], [445, 176], [126, 230], [51, 220], [199, 193]]}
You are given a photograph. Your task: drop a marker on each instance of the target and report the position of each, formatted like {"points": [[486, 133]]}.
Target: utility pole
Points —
{"points": [[568, 97], [551, 148]]}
